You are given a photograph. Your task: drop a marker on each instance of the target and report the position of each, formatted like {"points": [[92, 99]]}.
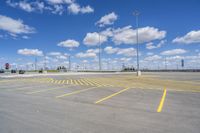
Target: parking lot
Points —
{"points": [[96, 103]]}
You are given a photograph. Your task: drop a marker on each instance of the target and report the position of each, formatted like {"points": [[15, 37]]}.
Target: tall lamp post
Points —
{"points": [[100, 52], [136, 14]]}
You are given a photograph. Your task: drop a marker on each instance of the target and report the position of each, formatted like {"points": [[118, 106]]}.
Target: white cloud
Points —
{"points": [[75, 8], [27, 6], [92, 39], [14, 26], [86, 55], [191, 37], [127, 35], [90, 53], [61, 57], [151, 45], [153, 58], [120, 51], [174, 52], [60, 1], [54, 53], [111, 50], [127, 52], [108, 19], [30, 52], [58, 9], [124, 59], [54, 6], [69, 44]]}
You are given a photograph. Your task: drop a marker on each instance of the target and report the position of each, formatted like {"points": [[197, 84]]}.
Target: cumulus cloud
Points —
{"points": [[14, 26], [151, 45], [92, 39], [60, 1], [127, 52], [108, 19], [28, 6], [120, 51], [127, 35], [30, 52], [90, 53], [153, 58], [54, 6], [75, 8], [54, 53], [110, 50], [69, 44], [174, 52], [189, 38]]}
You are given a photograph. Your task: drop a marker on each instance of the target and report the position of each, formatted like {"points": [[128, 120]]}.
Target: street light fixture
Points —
{"points": [[100, 52], [136, 14]]}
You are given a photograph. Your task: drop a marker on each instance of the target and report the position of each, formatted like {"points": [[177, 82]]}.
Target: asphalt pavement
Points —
{"points": [[96, 104]]}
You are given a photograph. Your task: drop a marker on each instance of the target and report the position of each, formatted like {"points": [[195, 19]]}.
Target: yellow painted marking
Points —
{"points": [[76, 92], [112, 95], [96, 84], [67, 81], [79, 81], [84, 81], [71, 81], [89, 82], [63, 81], [162, 101], [59, 82]]}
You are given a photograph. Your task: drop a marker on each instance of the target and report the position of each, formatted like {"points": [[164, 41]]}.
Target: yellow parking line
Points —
{"points": [[159, 109], [71, 81], [67, 81], [76, 92], [112, 95]]}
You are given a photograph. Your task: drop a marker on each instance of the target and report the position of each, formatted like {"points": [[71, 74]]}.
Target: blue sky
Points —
{"points": [[59, 28]]}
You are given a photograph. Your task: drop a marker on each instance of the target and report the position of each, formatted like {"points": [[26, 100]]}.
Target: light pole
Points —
{"points": [[136, 14], [69, 62], [99, 51]]}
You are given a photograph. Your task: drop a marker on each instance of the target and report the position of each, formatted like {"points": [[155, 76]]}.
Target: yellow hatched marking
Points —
{"points": [[76, 92], [75, 82], [112, 95], [159, 109], [79, 81], [59, 81], [85, 83], [63, 81], [96, 84]]}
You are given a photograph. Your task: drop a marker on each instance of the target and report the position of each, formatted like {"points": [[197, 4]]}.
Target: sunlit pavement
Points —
{"points": [[111, 103]]}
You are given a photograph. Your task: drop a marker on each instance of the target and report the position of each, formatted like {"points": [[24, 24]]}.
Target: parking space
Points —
{"points": [[96, 104]]}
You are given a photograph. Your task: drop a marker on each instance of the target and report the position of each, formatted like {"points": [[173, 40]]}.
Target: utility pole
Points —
{"points": [[136, 14], [99, 52], [165, 63], [69, 62], [45, 62], [35, 63]]}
